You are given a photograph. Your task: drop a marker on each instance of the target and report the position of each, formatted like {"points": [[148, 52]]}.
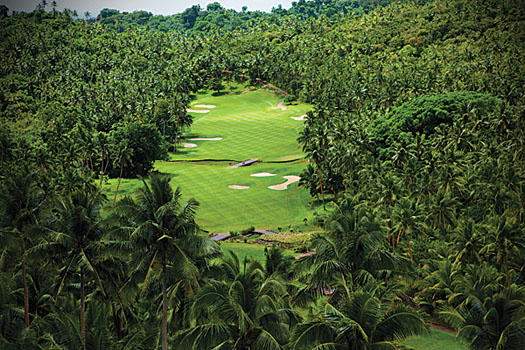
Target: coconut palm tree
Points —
{"points": [[74, 229], [495, 322], [242, 309], [361, 321], [407, 217], [354, 250], [503, 241], [20, 202], [164, 237]]}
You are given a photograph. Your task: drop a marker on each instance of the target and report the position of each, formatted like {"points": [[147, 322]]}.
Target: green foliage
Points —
{"points": [[415, 145], [423, 114], [145, 144]]}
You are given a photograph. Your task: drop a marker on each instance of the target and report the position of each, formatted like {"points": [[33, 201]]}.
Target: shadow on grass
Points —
{"points": [[156, 172], [184, 151]]}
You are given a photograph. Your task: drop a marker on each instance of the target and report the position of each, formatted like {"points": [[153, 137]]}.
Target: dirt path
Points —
{"points": [[443, 328]]}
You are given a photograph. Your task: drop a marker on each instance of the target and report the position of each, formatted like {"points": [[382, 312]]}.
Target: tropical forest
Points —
{"points": [[340, 174]]}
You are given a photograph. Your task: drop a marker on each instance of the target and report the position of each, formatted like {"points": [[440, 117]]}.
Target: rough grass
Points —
{"points": [[251, 127], [255, 251]]}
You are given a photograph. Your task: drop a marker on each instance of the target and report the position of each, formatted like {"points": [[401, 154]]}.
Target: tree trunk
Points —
{"points": [[101, 168], [506, 269], [410, 250], [164, 306], [176, 136], [82, 310], [399, 235], [321, 183], [116, 322], [26, 291], [119, 179]]}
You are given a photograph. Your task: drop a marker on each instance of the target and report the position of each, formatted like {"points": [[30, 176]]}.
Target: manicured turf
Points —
{"points": [[437, 340], [243, 250], [251, 126]]}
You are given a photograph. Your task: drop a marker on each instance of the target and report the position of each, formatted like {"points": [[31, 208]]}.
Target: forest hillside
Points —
{"points": [[414, 163]]}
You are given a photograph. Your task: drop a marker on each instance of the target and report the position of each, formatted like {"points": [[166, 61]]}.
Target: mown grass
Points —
{"points": [[243, 250], [436, 340], [251, 126]]}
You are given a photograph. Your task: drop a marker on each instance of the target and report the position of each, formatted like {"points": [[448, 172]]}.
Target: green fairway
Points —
{"points": [[437, 340], [251, 127], [243, 250]]}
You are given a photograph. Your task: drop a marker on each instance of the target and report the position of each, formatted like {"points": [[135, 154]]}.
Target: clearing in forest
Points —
{"points": [[243, 125]]}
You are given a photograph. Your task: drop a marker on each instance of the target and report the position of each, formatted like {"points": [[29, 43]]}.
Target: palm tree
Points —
{"points": [[495, 322], [362, 321], [466, 242], [165, 237], [354, 250], [123, 158], [20, 202], [504, 240], [242, 308], [407, 216], [74, 230]]}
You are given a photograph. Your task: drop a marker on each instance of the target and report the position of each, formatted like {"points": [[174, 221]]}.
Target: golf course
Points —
{"points": [[229, 129]]}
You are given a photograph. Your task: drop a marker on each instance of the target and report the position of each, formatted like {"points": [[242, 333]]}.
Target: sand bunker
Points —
{"points": [[290, 180], [303, 117], [187, 145], [205, 106], [197, 110], [263, 174], [206, 139], [238, 187], [280, 105]]}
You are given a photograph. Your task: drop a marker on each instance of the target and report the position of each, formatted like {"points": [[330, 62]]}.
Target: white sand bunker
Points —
{"points": [[280, 105], [290, 179], [303, 117], [238, 187], [205, 106], [197, 110], [187, 145], [263, 174], [206, 139]]}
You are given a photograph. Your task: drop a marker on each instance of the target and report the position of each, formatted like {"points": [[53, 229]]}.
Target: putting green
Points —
{"points": [[251, 126]]}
